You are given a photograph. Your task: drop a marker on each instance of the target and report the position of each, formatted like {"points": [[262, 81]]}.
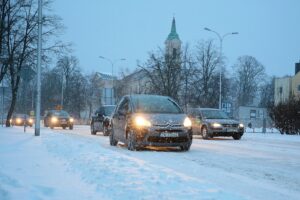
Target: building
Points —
{"points": [[173, 43], [138, 82], [254, 115], [107, 88], [287, 86]]}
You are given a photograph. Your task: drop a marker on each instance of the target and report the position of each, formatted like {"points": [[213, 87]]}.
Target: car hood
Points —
{"points": [[164, 119], [221, 121]]}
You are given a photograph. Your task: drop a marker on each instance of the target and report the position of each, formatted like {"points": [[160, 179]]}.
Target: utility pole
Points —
{"points": [[38, 81]]}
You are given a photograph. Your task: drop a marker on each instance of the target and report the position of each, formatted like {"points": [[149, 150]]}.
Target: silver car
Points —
{"points": [[210, 122], [150, 120]]}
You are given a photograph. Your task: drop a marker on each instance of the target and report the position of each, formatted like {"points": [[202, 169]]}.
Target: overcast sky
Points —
{"points": [[268, 29]]}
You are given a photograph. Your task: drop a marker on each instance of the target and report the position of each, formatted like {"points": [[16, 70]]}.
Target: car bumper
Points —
{"points": [[60, 124], [167, 138], [225, 131]]}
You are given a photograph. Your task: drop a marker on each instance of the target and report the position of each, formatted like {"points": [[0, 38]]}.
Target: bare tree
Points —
{"points": [[164, 73], [249, 75], [206, 83], [20, 40]]}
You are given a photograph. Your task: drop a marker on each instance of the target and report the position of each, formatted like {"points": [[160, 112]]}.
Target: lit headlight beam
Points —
{"points": [[216, 125], [141, 122], [187, 122]]}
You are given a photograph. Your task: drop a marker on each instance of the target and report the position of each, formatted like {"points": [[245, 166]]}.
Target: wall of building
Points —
{"points": [[254, 115], [283, 88], [296, 85]]}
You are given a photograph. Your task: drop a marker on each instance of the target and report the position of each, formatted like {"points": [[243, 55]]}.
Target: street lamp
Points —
{"points": [[38, 77], [221, 38], [112, 62]]}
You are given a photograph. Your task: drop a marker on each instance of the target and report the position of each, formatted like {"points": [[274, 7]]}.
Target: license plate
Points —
{"points": [[169, 135]]}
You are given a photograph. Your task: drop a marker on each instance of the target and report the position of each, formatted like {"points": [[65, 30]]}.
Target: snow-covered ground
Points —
{"points": [[64, 164]]}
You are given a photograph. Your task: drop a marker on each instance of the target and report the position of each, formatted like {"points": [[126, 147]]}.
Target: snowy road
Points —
{"points": [[64, 164]]}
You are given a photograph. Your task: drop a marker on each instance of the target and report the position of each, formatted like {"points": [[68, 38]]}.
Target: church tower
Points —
{"points": [[173, 43]]}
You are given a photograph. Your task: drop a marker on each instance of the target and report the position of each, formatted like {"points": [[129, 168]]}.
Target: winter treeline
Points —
{"points": [[192, 77]]}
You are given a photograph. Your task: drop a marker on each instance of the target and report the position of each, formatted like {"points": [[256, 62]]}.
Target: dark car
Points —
{"points": [[58, 118], [150, 120], [21, 120], [210, 122], [101, 120]]}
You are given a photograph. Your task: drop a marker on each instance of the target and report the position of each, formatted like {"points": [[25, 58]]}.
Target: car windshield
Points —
{"points": [[155, 104], [61, 113], [214, 114], [108, 110]]}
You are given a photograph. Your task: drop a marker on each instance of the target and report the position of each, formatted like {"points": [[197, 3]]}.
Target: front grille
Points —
{"points": [[167, 139], [167, 126], [168, 130], [230, 125]]}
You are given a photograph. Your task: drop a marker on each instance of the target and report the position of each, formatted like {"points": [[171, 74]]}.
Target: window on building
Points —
{"points": [[174, 52], [280, 90], [252, 114], [298, 88]]}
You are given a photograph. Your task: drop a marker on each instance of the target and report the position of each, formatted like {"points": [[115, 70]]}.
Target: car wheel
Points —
{"points": [[93, 132], [105, 130], [52, 127], [112, 140], [204, 132], [45, 124], [237, 136], [131, 141], [64, 127], [71, 127], [186, 147]]}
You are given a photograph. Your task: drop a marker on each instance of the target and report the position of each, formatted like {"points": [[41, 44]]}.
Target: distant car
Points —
{"points": [[58, 118], [150, 120], [21, 119], [101, 120], [210, 122]]}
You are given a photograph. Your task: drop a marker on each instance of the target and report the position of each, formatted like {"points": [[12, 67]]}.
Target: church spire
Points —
{"points": [[173, 34]]}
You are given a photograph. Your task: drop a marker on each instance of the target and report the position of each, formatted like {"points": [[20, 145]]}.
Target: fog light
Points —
{"points": [[71, 120]]}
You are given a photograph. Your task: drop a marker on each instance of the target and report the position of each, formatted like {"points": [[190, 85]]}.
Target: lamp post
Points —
{"points": [[221, 38], [112, 62], [38, 77]]}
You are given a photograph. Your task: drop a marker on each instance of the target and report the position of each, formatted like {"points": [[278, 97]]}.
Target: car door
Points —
{"points": [[198, 122], [118, 119]]}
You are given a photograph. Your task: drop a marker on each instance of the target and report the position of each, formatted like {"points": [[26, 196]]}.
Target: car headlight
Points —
{"points": [[18, 120], [54, 119], [187, 123], [241, 125], [140, 122], [216, 125], [30, 120], [71, 119]]}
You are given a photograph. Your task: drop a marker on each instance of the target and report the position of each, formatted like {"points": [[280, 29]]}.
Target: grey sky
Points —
{"points": [[268, 29]]}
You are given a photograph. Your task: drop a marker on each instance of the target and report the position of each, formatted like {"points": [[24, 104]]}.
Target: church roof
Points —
{"points": [[173, 34]]}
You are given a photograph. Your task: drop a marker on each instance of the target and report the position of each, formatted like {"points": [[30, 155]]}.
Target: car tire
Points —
{"points": [[105, 131], [71, 127], [186, 147], [64, 127], [237, 136], [112, 140], [204, 133], [52, 127], [131, 141], [93, 132], [45, 124]]}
